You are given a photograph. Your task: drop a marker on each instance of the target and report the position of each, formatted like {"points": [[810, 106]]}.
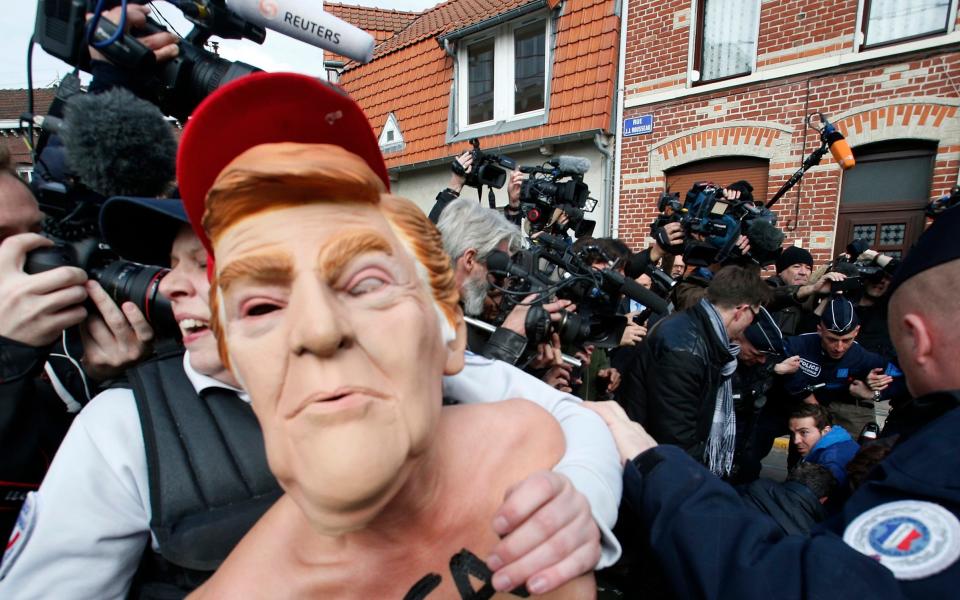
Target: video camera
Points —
{"points": [[937, 206], [858, 272], [713, 223], [550, 268], [176, 86], [545, 199], [487, 169]]}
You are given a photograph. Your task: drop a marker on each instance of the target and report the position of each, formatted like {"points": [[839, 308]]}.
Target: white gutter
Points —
{"points": [[618, 124]]}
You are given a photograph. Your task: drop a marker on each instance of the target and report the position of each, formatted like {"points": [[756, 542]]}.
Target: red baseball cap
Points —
{"points": [[266, 108]]}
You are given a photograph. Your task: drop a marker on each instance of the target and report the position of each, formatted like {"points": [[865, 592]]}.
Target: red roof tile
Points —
{"points": [[13, 103], [411, 76]]}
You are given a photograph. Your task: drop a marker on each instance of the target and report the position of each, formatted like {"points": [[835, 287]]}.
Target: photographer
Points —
{"points": [[41, 385], [470, 233], [873, 303], [461, 166]]}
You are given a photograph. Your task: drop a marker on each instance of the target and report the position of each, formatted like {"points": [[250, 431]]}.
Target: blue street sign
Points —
{"points": [[638, 125]]}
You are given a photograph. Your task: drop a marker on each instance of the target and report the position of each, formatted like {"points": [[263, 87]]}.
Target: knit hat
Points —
{"points": [[794, 255]]}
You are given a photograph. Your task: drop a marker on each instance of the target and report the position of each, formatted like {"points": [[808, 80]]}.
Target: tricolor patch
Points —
{"points": [[913, 539], [21, 531]]}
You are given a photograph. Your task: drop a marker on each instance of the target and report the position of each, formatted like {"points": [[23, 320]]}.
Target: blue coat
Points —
{"points": [[834, 451], [709, 545]]}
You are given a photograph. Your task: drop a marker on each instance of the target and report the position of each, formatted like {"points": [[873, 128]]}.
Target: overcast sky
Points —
{"points": [[278, 53]]}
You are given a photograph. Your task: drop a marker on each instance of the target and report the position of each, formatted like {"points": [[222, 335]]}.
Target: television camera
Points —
{"points": [[554, 197]]}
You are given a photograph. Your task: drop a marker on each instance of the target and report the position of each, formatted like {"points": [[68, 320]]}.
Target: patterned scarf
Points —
{"points": [[723, 431]]}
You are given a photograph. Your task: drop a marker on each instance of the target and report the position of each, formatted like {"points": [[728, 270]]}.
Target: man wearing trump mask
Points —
{"points": [[335, 307]]}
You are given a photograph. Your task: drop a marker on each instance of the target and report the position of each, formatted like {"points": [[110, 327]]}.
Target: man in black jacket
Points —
{"points": [[683, 394], [795, 504]]}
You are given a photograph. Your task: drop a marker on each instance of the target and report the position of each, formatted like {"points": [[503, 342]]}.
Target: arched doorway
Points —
{"points": [[883, 197], [722, 171]]}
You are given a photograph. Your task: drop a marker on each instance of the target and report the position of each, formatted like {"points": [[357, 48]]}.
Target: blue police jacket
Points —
{"points": [[898, 536], [816, 367]]}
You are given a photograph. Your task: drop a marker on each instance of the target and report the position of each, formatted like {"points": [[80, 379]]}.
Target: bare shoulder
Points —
{"points": [[508, 419]]}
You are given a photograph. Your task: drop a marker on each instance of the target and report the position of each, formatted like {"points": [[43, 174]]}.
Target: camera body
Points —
{"points": [[552, 191], [487, 169], [177, 86], [122, 280], [713, 223]]}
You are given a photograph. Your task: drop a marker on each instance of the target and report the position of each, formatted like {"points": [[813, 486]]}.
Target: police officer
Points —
{"points": [[761, 348], [831, 368], [898, 536]]}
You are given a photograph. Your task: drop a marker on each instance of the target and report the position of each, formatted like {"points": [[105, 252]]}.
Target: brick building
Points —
{"points": [[13, 103], [532, 79], [718, 90]]}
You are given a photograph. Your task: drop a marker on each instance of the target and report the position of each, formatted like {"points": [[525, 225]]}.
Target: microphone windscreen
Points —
{"points": [[764, 236], [573, 164], [841, 151], [119, 145]]}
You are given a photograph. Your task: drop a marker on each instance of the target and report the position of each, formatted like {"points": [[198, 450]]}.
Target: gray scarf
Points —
{"points": [[721, 444]]}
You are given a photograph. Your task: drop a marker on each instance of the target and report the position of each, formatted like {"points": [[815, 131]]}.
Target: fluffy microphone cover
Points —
{"points": [[118, 144]]}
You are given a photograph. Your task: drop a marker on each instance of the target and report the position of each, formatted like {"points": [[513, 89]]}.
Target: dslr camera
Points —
{"points": [[556, 189], [487, 169]]}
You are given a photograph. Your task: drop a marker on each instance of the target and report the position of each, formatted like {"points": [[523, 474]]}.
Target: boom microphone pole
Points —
{"points": [[831, 141]]}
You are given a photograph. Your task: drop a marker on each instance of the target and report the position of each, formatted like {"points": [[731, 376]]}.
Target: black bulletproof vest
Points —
{"points": [[208, 474]]}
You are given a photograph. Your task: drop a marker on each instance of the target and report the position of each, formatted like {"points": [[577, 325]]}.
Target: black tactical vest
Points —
{"points": [[208, 474]]}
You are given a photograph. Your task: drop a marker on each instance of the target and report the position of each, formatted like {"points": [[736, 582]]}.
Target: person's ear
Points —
{"points": [[456, 348], [468, 260], [918, 338]]}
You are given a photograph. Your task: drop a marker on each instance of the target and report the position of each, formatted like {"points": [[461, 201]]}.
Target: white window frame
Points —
{"points": [[695, 77], [504, 65], [860, 33]]}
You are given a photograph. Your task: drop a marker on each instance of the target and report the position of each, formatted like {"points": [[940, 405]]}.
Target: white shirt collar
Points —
{"points": [[202, 382]]}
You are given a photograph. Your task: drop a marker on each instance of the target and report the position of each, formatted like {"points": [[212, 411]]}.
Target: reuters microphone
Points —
{"points": [[839, 147], [306, 21]]}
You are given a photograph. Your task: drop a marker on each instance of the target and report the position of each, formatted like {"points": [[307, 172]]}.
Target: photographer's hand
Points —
{"points": [[163, 43], [613, 375], [633, 334], [458, 181], [558, 376], [115, 339], [821, 286], [513, 189], [35, 309], [516, 320], [674, 234]]}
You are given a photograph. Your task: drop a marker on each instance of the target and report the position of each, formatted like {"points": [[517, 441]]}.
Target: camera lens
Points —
{"points": [[128, 281]]}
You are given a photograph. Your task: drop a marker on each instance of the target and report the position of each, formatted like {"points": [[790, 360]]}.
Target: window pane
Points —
{"points": [[867, 233], [892, 234], [480, 86], [891, 180], [891, 20], [529, 71], [729, 39]]}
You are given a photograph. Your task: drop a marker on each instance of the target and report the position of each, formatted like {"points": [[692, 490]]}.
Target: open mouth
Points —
{"points": [[193, 328]]}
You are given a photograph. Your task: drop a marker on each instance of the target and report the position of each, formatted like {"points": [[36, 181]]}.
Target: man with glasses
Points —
{"points": [[686, 366]]}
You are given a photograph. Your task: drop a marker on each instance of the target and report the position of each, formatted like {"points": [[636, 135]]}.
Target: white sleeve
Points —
{"points": [[82, 534], [591, 461]]}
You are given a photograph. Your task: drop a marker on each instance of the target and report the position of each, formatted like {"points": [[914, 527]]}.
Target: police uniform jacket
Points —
{"points": [[898, 536], [817, 367]]}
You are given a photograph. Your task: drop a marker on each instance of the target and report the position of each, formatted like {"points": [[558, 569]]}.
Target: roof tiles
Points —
{"points": [[411, 76]]}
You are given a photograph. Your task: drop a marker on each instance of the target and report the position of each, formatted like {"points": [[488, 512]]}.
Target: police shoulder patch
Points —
{"points": [[912, 538], [26, 521]]}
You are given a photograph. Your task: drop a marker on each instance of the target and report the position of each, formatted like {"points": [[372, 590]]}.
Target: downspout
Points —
{"points": [[602, 142], [618, 124]]}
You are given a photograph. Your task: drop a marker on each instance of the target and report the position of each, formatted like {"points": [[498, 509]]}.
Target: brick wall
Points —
{"points": [[912, 96], [916, 99]]}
